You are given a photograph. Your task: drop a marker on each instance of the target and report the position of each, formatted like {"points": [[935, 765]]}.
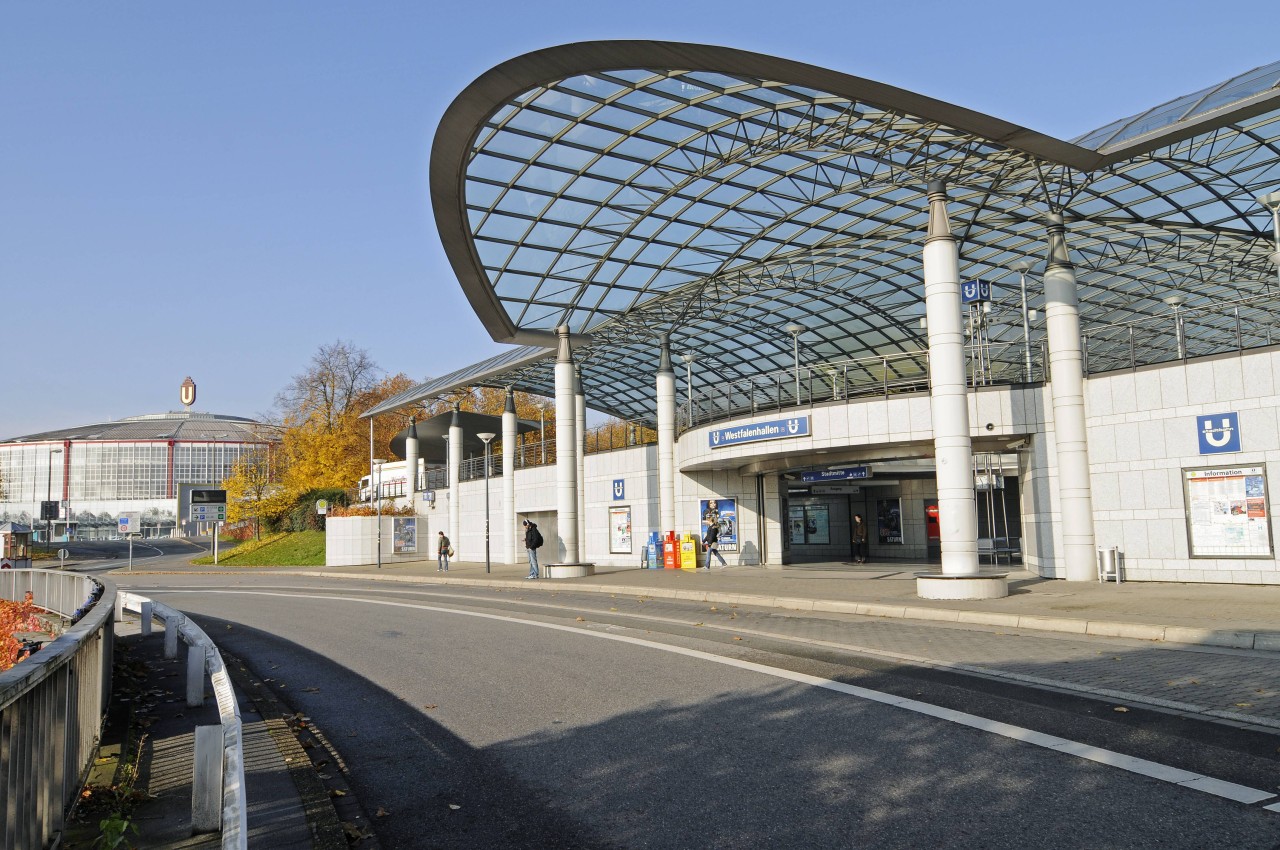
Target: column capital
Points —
{"points": [[564, 353], [939, 219], [1057, 256], [577, 379], [664, 353], [510, 406]]}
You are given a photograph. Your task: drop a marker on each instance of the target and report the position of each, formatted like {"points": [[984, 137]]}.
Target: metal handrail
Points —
{"points": [[203, 658], [863, 377], [56, 700]]}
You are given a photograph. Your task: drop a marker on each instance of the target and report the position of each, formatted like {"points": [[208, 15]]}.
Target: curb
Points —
{"points": [[1186, 635]]}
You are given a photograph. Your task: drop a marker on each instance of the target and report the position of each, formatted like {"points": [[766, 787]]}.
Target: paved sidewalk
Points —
{"points": [[1239, 616]]}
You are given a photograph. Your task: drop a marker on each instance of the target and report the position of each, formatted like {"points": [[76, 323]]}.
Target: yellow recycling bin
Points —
{"points": [[688, 552]]}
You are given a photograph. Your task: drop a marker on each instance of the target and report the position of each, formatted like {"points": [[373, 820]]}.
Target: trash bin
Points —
{"points": [[653, 552], [1109, 564], [671, 551], [688, 552]]}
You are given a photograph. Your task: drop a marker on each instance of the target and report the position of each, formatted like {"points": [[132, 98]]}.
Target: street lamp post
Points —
{"points": [[1176, 301], [795, 330], [486, 437], [687, 359], [48, 497], [1271, 201], [1022, 267], [542, 429], [375, 489]]}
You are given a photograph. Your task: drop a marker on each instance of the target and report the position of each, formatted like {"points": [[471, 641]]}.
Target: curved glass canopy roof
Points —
{"points": [[629, 188]]}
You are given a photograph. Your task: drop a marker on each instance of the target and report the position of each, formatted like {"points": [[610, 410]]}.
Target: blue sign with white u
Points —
{"points": [[796, 426], [619, 489], [972, 291], [1219, 433]]}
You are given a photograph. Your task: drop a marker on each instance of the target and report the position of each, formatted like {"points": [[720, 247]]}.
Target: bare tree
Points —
{"points": [[338, 376]]}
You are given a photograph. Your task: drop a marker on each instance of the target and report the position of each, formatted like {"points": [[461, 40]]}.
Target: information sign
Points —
{"points": [[129, 522], [208, 497], [847, 473], [1218, 433], [620, 530], [322, 507], [1227, 513], [209, 513]]}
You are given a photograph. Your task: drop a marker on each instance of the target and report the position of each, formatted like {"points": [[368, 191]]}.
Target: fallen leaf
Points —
{"points": [[337, 792], [736, 637], [1120, 708], [1244, 705], [381, 813], [454, 806], [354, 831], [714, 608], [697, 624], [228, 627], [432, 705], [581, 619], [311, 690]]}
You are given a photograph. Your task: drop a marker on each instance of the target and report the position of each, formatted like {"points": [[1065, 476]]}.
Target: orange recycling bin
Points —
{"points": [[670, 551]]}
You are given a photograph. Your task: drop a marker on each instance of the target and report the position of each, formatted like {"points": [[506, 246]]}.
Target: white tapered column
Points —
{"points": [[411, 464], [566, 450], [580, 416], [1066, 372], [952, 445], [509, 448], [665, 389], [455, 477]]}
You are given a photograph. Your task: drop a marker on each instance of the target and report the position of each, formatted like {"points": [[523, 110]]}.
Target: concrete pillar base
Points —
{"points": [[568, 570], [939, 586]]}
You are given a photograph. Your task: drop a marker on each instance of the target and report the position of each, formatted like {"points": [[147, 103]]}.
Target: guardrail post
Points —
{"points": [[146, 609], [195, 676], [171, 625], [206, 780]]}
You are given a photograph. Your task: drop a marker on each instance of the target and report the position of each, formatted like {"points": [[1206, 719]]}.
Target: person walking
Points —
{"points": [[710, 542], [859, 540], [443, 551], [532, 543]]}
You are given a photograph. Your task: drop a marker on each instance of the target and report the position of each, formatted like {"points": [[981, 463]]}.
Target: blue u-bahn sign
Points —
{"points": [[778, 429], [973, 291], [1219, 433]]}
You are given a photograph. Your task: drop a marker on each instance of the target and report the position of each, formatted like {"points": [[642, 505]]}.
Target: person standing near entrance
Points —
{"points": [[710, 542], [859, 540], [442, 553], [532, 543]]}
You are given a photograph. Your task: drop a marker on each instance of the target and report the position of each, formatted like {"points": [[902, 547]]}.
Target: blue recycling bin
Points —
{"points": [[653, 552]]}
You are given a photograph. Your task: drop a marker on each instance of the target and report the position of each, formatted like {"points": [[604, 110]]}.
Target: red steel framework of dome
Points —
{"points": [[630, 188]]}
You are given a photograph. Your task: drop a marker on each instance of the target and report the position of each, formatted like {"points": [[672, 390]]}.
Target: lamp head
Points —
{"points": [[1270, 200], [1176, 300], [378, 461], [486, 436], [1024, 265], [794, 329]]}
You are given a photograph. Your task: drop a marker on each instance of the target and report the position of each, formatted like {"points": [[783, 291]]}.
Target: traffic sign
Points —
{"points": [[322, 507], [129, 522], [63, 554], [209, 513]]}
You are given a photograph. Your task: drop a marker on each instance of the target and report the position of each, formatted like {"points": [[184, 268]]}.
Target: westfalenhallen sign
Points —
{"points": [[778, 429]]}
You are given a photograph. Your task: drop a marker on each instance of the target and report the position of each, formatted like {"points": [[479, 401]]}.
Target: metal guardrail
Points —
{"points": [[52, 705], [203, 657]]}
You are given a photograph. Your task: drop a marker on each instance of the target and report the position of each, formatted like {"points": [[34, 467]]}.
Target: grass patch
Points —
{"points": [[296, 549]]}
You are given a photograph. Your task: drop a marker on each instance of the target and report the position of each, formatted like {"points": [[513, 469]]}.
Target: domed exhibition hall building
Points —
{"points": [[832, 297], [142, 463]]}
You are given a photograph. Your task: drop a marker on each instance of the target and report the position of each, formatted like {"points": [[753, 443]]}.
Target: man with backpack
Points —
{"points": [[532, 542]]}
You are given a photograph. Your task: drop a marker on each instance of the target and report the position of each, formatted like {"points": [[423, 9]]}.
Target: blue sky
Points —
{"points": [[217, 189]]}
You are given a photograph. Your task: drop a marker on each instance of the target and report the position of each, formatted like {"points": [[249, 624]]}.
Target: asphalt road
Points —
{"points": [[486, 719]]}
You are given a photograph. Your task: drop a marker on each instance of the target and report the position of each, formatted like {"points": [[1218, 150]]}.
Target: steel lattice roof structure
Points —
{"points": [[634, 187]]}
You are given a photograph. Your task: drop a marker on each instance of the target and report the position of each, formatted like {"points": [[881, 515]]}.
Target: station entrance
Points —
{"points": [[898, 501]]}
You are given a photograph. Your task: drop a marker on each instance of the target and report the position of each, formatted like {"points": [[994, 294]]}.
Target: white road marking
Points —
{"points": [[1132, 764]]}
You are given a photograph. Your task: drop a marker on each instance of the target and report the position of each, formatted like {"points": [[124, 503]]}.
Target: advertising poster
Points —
{"points": [[809, 524], [795, 524], [889, 521], [817, 524], [404, 535], [1227, 514], [620, 530], [724, 513]]}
